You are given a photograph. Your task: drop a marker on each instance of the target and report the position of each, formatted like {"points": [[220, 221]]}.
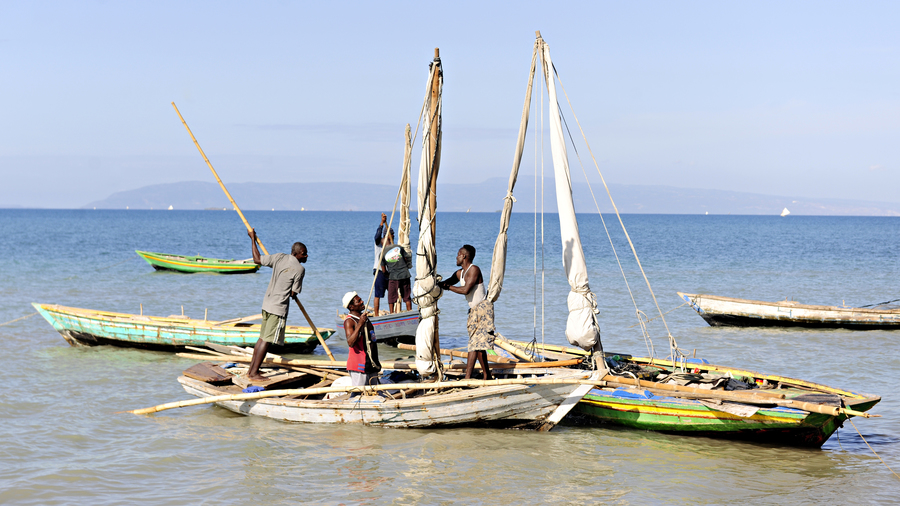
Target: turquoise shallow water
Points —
{"points": [[63, 440]]}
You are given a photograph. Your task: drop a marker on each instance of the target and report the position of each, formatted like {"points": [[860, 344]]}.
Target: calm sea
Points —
{"points": [[63, 439]]}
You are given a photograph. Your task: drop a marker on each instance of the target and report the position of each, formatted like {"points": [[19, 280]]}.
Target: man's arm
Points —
{"points": [[472, 276], [449, 282], [354, 329], [252, 234], [378, 232]]}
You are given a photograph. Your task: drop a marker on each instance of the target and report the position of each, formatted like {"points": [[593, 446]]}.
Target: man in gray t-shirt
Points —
{"points": [[286, 283]]}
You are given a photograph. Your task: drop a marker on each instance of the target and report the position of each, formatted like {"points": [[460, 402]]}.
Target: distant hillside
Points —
{"points": [[486, 196]]}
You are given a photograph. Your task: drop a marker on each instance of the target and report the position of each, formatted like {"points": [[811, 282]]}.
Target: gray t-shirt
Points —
{"points": [[287, 277]]}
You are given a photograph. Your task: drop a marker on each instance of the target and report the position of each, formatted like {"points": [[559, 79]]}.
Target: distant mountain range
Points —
{"points": [[486, 196]]}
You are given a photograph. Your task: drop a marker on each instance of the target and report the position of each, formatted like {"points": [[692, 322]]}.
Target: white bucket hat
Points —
{"points": [[348, 297]]}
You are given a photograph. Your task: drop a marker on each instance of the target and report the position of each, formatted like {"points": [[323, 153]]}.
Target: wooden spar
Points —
{"points": [[364, 389], [506, 345], [313, 327], [458, 354], [434, 149], [249, 228], [385, 365], [236, 208]]}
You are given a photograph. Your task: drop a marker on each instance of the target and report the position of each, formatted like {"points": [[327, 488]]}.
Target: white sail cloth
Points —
{"points": [[581, 325], [405, 191], [426, 291]]}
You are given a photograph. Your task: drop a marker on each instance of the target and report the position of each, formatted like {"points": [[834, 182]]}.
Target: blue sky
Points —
{"points": [[784, 98]]}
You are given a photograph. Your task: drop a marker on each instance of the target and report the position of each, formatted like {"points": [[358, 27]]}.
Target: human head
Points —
{"points": [[466, 252], [298, 251], [347, 300]]}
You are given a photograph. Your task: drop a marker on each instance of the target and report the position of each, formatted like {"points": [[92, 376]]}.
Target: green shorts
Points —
{"points": [[272, 328]]}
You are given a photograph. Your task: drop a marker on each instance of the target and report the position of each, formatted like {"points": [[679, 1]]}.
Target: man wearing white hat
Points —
{"points": [[362, 364]]}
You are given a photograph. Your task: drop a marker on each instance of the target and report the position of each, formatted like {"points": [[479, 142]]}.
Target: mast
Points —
{"points": [[426, 292], [582, 328]]}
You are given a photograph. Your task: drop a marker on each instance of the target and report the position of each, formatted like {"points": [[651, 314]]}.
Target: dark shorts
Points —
{"points": [[381, 284], [398, 286]]}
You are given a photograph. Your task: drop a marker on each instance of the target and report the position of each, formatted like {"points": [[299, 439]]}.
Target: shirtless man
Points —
{"points": [[480, 322], [286, 283]]}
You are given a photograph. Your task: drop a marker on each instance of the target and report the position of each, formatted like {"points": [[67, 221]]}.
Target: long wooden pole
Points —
{"points": [[227, 194], [249, 228]]}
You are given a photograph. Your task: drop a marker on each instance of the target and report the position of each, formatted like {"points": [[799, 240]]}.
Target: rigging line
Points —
{"points": [[534, 246], [644, 333], [880, 303], [667, 312], [870, 447], [399, 191], [630, 243], [17, 319]]}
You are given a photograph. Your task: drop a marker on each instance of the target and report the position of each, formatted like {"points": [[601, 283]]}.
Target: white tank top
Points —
{"points": [[477, 294]]}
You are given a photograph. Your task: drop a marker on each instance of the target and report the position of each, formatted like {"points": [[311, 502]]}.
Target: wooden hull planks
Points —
{"points": [[86, 327], [521, 406], [192, 264], [726, 311]]}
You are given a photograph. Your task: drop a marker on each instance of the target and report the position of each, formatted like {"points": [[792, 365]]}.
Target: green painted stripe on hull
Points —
{"points": [[686, 417], [98, 331], [193, 264]]}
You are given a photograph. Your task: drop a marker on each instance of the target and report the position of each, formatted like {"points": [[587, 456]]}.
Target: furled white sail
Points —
{"points": [[498, 261], [426, 291], [581, 326], [405, 192]]}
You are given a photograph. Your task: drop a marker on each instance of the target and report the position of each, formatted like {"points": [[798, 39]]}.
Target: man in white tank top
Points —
{"points": [[480, 322]]}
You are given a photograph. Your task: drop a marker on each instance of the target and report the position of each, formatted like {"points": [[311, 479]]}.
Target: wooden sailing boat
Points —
{"points": [[730, 312], [526, 397], [665, 394], [192, 264]]}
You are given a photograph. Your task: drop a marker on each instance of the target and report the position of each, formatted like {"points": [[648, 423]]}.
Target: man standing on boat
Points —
{"points": [[381, 279], [362, 364], [480, 322], [397, 263], [286, 283]]}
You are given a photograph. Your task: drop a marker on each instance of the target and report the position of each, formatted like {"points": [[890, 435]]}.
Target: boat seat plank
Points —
{"points": [[209, 372]]}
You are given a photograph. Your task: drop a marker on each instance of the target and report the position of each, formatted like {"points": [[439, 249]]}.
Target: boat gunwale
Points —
{"points": [[786, 304]]}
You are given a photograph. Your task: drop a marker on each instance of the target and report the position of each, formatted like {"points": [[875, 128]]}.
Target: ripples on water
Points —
{"points": [[65, 442]]}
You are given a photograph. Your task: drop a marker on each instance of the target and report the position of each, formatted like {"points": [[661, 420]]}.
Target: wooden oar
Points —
{"points": [[246, 224]]}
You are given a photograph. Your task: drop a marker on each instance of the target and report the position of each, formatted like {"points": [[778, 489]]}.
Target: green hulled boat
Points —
{"points": [[183, 263], [88, 327]]}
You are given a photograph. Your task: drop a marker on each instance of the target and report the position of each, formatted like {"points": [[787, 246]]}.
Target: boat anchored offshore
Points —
{"points": [[729, 312], [88, 327], [191, 264]]}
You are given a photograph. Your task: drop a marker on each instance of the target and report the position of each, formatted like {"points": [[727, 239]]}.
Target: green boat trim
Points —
{"points": [[191, 264], [87, 327], [638, 408]]}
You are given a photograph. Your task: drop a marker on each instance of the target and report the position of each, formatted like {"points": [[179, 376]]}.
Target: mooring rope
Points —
{"points": [[132, 257], [17, 319], [870, 447]]}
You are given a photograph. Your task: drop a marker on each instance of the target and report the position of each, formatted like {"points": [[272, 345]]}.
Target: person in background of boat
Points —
{"points": [[480, 322], [381, 280], [397, 263], [362, 364], [286, 283]]}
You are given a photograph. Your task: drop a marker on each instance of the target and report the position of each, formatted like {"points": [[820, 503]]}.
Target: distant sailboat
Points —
{"points": [[785, 212]]}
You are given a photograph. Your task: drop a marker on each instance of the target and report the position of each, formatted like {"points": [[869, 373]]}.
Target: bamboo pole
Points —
{"points": [[227, 194], [506, 345], [458, 354], [246, 224], [384, 365]]}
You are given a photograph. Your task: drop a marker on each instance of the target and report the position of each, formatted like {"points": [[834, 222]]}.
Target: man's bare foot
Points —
{"points": [[257, 377]]}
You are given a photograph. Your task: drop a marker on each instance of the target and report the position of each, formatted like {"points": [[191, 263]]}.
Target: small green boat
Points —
{"points": [[183, 263], [88, 327]]}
